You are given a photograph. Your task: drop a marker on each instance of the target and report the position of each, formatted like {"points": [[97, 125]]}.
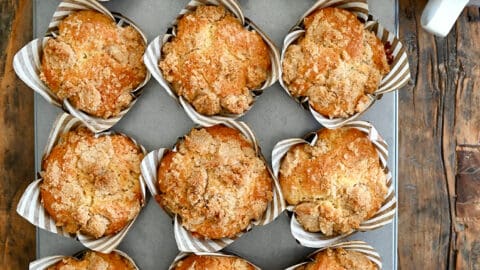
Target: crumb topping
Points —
{"points": [[94, 261], [214, 63], [336, 64], [339, 259], [336, 184], [196, 262], [94, 63], [91, 185], [215, 182]]}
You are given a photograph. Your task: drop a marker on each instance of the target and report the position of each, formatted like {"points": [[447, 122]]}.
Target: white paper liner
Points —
{"points": [[27, 63], [398, 76], [31, 208], [182, 255], [44, 263], [153, 55], [186, 242], [384, 215], [358, 246]]}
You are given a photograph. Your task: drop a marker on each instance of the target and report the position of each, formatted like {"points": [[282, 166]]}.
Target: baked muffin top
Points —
{"points": [[336, 64], [339, 259], [94, 63], [207, 262], [336, 184], [91, 184], [214, 62], [94, 261], [215, 182]]}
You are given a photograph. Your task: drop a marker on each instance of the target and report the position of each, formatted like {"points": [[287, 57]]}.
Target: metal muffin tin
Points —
{"points": [[157, 121]]}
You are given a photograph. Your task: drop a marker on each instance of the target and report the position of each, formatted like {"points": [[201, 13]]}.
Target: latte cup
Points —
{"points": [[439, 16]]}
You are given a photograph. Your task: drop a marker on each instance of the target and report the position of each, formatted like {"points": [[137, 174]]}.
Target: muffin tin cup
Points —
{"points": [[44, 263], [31, 208], [186, 242], [27, 64], [398, 76], [182, 255], [358, 246], [384, 215], [153, 55]]}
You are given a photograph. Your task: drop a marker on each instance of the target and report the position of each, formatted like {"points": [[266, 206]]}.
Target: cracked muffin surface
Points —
{"points": [[94, 63], [336, 64], [215, 182], [91, 184], [339, 259], [336, 184], [214, 62], [211, 262], [94, 261]]}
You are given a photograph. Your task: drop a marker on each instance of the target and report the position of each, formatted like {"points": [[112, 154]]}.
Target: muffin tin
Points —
{"points": [[157, 121]]}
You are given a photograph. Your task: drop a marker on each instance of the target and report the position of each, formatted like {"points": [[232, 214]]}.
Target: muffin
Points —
{"points": [[214, 62], [95, 260], [91, 183], [339, 259], [210, 262], [214, 182], [336, 184], [336, 64], [94, 63]]}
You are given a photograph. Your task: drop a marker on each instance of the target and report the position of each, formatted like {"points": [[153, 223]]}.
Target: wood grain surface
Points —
{"points": [[439, 155], [17, 236]]}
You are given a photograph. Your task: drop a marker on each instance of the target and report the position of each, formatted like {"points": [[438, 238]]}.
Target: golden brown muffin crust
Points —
{"points": [[336, 64], [336, 184], [339, 259], [94, 63], [214, 62], [94, 261], [196, 262], [91, 185], [215, 182]]}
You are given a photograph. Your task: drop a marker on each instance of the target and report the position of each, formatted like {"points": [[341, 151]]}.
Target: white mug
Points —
{"points": [[439, 16]]}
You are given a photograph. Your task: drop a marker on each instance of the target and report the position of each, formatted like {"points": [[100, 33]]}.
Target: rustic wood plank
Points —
{"points": [[468, 207], [439, 120], [424, 219], [17, 237], [466, 132]]}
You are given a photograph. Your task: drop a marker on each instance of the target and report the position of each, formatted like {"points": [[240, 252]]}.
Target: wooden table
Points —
{"points": [[439, 148], [439, 155]]}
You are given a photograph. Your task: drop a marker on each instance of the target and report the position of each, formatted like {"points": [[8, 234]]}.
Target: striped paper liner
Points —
{"points": [[27, 63], [398, 76], [31, 208], [358, 246], [186, 242], [153, 55], [44, 263], [182, 255], [384, 215]]}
